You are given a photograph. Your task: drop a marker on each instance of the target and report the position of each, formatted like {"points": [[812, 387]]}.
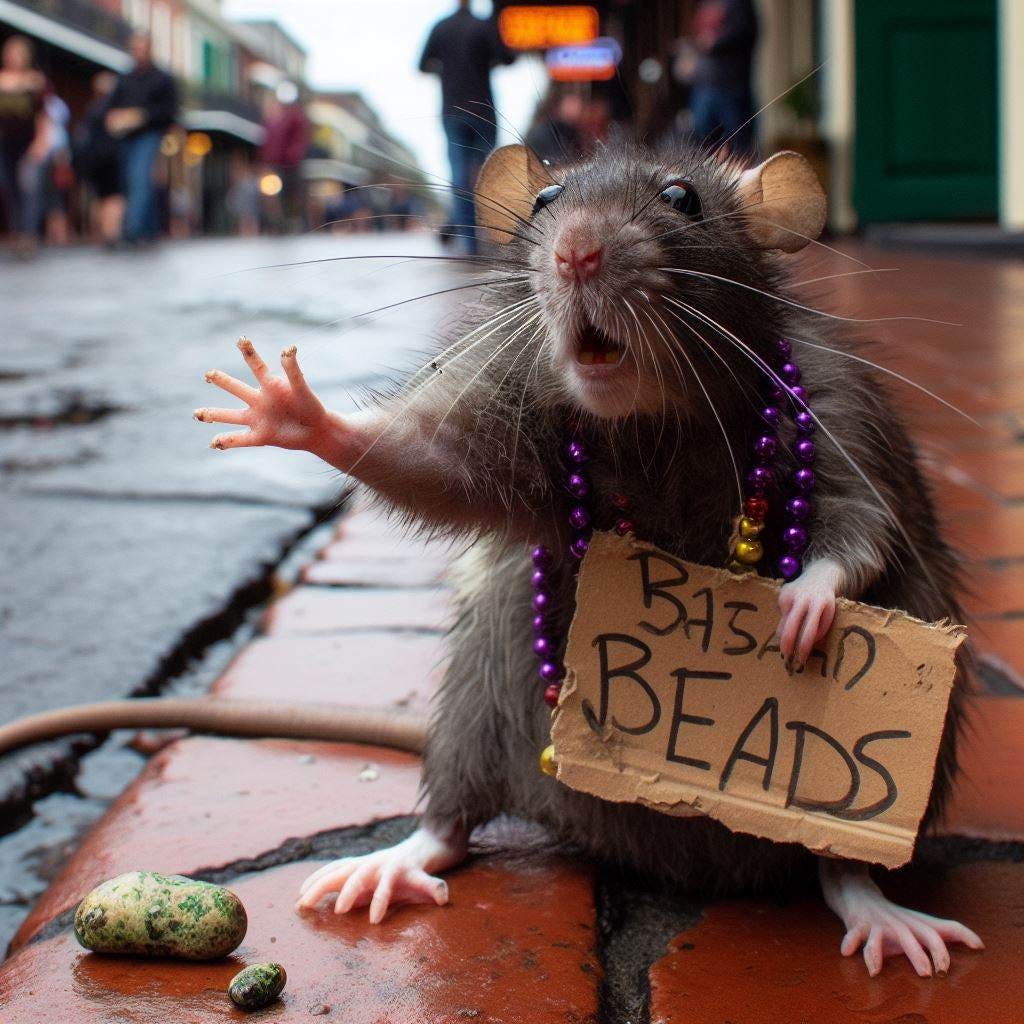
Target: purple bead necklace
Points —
{"points": [[787, 394], [790, 395]]}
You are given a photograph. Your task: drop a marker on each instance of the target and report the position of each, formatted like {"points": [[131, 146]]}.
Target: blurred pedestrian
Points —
{"points": [[23, 132], [462, 49], [48, 177], [96, 157], [555, 134], [244, 200], [143, 106], [286, 135], [723, 34]]}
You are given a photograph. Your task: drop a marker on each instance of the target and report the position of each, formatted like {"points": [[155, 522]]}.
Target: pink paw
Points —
{"points": [[892, 930], [807, 606]]}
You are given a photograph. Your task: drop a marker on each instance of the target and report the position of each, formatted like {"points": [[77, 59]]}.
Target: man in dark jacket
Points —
{"points": [[462, 49], [143, 106]]}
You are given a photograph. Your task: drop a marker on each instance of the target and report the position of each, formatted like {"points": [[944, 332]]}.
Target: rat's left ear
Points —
{"points": [[506, 190], [783, 202]]}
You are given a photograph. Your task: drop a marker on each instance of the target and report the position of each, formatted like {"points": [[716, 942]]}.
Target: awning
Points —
{"points": [[222, 121], [59, 34]]}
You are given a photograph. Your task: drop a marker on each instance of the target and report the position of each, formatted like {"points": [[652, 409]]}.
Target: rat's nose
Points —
{"points": [[577, 265]]}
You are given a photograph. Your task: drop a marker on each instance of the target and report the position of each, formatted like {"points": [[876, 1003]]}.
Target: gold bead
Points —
{"points": [[547, 761], [750, 528], [748, 552]]}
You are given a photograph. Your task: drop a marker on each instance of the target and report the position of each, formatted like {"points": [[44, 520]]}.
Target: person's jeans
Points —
{"points": [[719, 113], [470, 139], [141, 213]]}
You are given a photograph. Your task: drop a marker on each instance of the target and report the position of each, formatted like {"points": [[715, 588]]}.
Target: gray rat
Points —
{"points": [[632, 298]]}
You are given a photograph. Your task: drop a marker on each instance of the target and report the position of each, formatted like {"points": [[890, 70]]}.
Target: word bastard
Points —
{"points": [[677, 697]]}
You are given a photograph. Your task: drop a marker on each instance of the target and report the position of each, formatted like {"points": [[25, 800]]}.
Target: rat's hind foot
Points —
{"points": [[883, 928], [399, 874]]}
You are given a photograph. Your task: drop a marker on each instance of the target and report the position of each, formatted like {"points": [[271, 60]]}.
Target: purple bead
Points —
{"points": [[794, 538], [540, 623], [798, 508], [577, 453], [766, 446], [551, 671], [543, 646], [805, 423], [784, 347], [760, 477], [790, 373], [772, 414], [539, 579], [805, 450], [579, 518], [799, 392], [541, 602], [541, 557], [579, 546], [578, 485], [789, 567], [804, 479]]}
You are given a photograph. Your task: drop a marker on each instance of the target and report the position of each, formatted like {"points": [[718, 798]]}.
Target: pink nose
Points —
{"points": [[577, 266]]}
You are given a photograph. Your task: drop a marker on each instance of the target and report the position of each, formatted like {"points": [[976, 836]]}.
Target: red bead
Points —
{"points": [[624, 526], [756, 508], [620, 501], [551, 692]]}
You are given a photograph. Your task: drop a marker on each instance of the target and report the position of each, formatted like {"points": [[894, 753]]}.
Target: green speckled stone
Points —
{"points": [[150, 914], [257, 986]]}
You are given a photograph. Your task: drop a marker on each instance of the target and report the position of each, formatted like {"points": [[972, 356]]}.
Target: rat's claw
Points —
{"points": [[290, 365], [238, 416], [231, 385], [253, 360], [239, 439]]}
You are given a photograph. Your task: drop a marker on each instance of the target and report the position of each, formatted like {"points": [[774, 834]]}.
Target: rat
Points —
{"points": [[634, 299]]}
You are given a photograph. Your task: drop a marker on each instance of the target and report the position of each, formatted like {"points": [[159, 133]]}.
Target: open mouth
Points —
{"points": [[596, 348]]}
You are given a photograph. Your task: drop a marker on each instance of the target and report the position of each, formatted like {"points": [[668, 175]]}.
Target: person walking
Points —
{"points": [[143, 106], [96, 156], [23, 133], [462, 49], [723, 35], [286, 133]]}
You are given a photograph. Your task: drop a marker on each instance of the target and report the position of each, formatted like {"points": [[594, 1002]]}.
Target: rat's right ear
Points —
{"points": [[506, 190], [783, 202]]}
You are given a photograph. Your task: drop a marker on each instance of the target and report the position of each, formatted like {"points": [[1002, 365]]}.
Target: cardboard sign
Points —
{"points": [[676, 696]]}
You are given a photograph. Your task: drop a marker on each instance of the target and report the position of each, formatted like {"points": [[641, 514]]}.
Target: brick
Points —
{"points": [[358, 668], [203, 802], [755, 963], [308, 610], [517, 943], [363, 570], [1000, 643]]}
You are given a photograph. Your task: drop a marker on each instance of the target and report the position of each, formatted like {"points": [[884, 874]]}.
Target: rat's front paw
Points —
{"points": [[282, 412], [807, 607]]}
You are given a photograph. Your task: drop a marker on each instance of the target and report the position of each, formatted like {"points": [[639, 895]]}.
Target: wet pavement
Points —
{"points": [[132, 554], [532, 934]]}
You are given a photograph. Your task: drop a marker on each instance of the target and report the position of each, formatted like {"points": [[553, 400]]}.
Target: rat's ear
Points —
{"points": [[506, 189], [783, 202]]}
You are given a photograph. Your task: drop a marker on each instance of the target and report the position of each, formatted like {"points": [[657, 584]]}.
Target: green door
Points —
{"points": [[926, 110]]}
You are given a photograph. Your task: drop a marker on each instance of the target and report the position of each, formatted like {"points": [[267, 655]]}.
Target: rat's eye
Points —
{"points": [[683, 198], [545, 196]]}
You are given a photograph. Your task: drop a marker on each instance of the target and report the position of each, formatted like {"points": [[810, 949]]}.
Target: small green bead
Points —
{"points": [[749, 552], [547, 761]]}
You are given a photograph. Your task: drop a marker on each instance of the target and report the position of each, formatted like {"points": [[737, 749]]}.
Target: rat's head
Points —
{"points": [[619, 247]]}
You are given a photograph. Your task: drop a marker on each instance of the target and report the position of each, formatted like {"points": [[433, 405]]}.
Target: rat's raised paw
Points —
{"points": [[807, 607], [399, 874], [282, 412]]}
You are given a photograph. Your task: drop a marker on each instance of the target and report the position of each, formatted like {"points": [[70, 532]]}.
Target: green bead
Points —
{"points": [[547, 761], [750, 528]]}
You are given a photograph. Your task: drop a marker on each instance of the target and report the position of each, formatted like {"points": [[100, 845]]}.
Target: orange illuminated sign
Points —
{"points": [[531, 27]]}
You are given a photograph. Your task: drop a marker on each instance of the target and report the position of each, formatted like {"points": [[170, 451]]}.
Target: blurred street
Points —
{"points": [[130, 549]]}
